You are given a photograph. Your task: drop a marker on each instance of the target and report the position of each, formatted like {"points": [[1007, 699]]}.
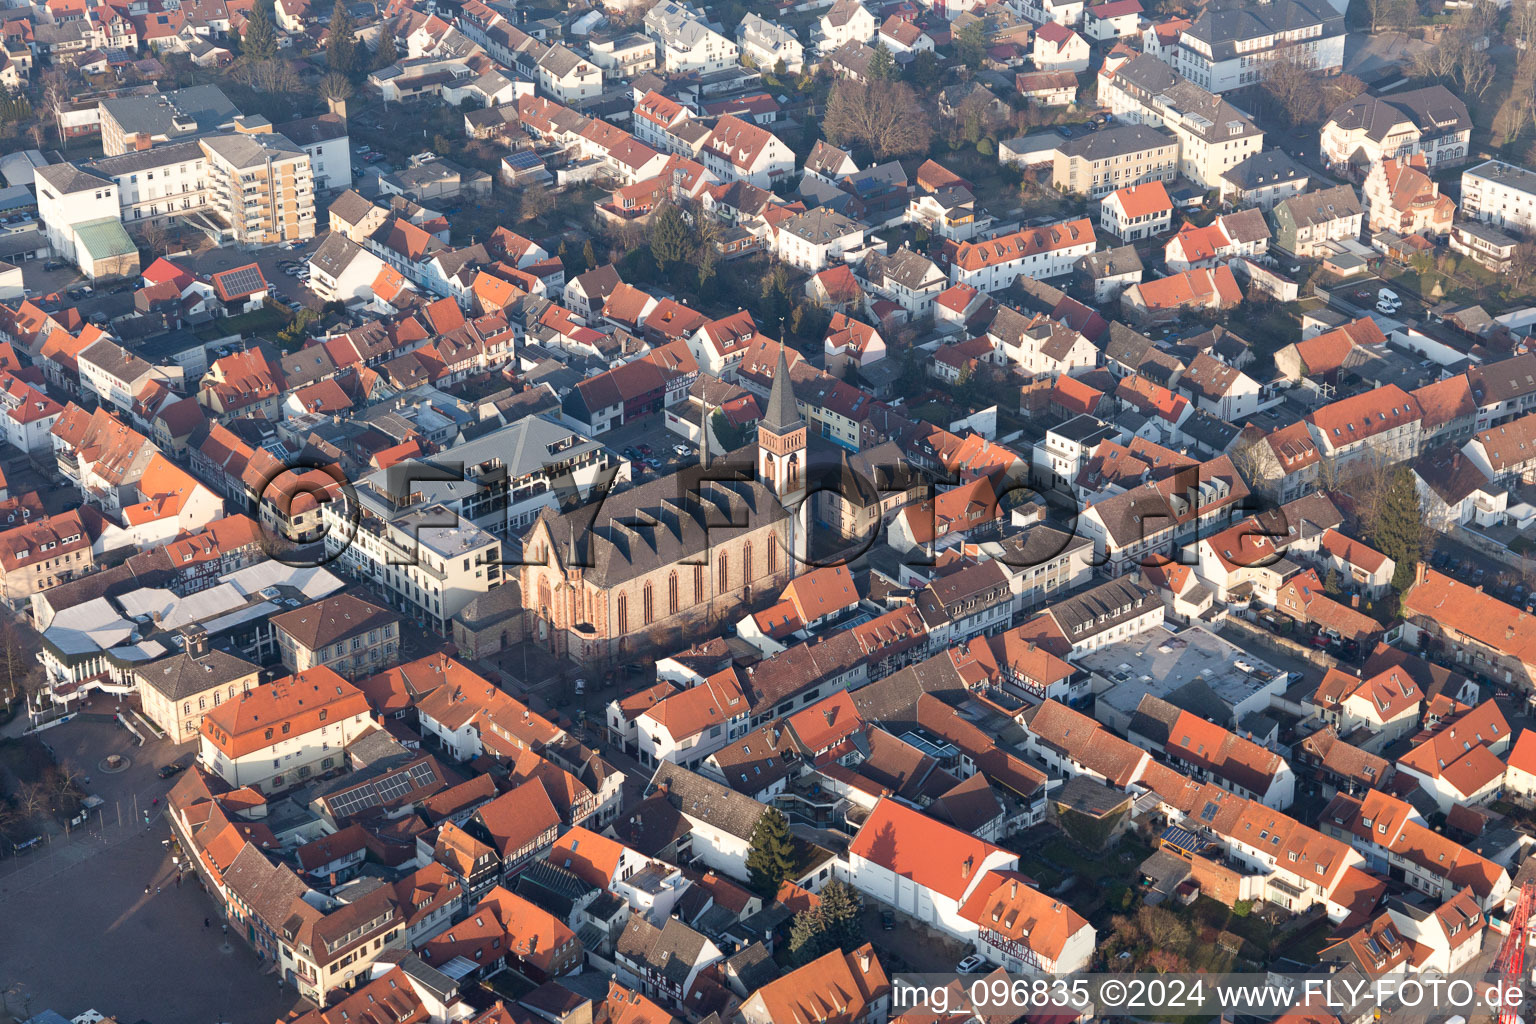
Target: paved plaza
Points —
{"points": [[78, 932]]}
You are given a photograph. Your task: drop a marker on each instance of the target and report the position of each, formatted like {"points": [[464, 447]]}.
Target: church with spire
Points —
{"points": [[649, 564]]}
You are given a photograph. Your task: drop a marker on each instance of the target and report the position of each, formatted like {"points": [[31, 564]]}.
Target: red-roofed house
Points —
{"points": [[1384, 423], [1139, 211], [1022, 929], [1168, 297], [240, 289], [1058, 48], [1520, 772], [1113, 20], [1459, 765], [921, 866]]}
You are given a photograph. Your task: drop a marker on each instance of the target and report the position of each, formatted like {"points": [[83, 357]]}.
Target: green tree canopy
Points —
{"points": [[260, 41], [341, 49], [1401, 533], [882, 66], [671, 239], [386, 53], [771, 859]]}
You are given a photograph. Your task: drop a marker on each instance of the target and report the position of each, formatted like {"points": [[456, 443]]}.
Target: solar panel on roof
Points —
{"points": [[522, 161], [242, 281]]}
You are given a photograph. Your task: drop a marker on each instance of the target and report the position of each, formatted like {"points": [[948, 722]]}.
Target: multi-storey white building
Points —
{"points": [[1227, 47], [154, 185], [277, 735], [1369, 129], [1498, 193], [1214, 136], [995, 263], [429, 560], [687, 42]]}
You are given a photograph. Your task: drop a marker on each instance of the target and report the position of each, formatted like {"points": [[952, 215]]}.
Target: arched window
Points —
{"points": [[698, 584], [623, 613], [773, 557], [186, 708], [648, 604], [723, 582], [794, 473], [746, 562], [672, 593], [215, 698]]}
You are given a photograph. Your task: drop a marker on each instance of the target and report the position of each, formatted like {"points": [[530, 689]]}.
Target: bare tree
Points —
{"points": [[1521, 30], [31, 799], [335, 88], [884, 116], [1523, 266], [156, 236], [55, 98]]}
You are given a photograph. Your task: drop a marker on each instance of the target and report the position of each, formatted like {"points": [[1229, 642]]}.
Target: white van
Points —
{"points": [[1387, 301]]}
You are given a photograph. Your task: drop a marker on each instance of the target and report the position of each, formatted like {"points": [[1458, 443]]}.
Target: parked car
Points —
{"points": [[682, 451], [167, 770], [54, 265], [887, 920], [973, 964]]}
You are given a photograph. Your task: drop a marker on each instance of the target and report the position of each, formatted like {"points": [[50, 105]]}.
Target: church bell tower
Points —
{"points": [[781, 441]]}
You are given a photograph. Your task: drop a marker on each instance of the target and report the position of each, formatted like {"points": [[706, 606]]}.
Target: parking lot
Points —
{"points": [[289, 289]]}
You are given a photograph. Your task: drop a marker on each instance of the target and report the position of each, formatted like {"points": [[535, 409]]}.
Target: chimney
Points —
{"points": [[965, 868], [1013, 888], [1420, 574]]}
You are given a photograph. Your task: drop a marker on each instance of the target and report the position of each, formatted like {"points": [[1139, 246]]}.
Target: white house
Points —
{"points": [[739, 150], [687, 42], [1058, 48], [1137, 211], [921, 866], [814, 239], [277, 735], [993, 264], [1116, 19], [846, 21], [768, 42]]}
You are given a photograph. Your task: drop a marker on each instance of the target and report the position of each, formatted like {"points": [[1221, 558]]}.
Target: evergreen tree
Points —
{"points": [[971, 44], [882, 66], [923, 72], [1401, 533], [839, 911], [260, 42], [771, 858], [386, 53], [671, 242], [589, 255], [807, 937], [341, 50]]}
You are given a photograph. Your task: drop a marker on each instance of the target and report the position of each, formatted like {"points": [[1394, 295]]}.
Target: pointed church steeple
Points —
{"points": [[782, 414], [781, 439]]}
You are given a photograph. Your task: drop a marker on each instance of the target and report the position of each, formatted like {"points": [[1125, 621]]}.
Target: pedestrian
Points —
{"points": [[157, 890], [146, 890], [207, 923], [178, 881]]}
